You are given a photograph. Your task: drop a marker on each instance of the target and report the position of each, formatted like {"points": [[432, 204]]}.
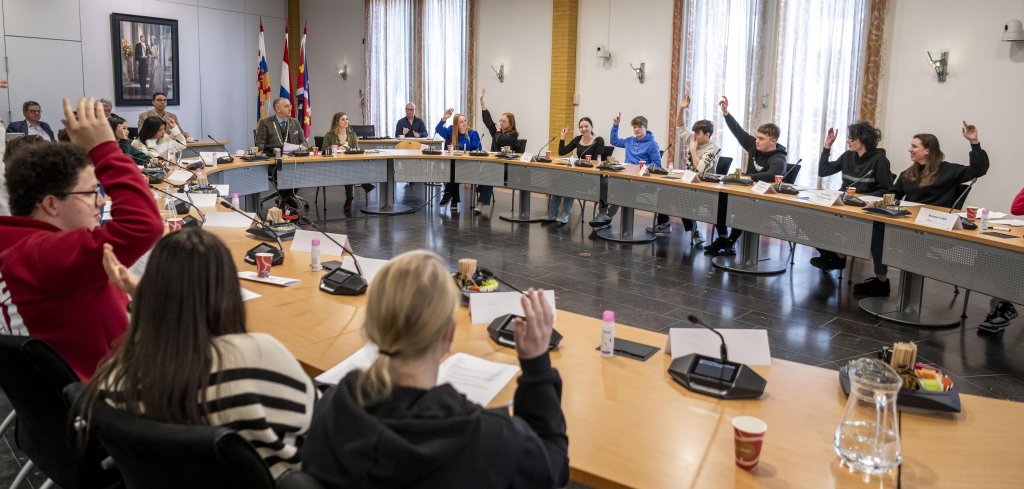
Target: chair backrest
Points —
{"points": [[607, 152], [294, 479], [520, 146], [962, 192], [151, 454], [366, 131], [318, 141], [722, 167], [133, 132], [33, 377], [408, 145], [793, 171]]}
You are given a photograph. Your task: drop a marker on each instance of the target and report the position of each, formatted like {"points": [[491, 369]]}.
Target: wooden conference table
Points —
{"points": [[630, 425]]}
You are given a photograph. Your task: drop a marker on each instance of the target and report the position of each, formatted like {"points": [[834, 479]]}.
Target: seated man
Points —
{"points": [[108, 109], [641, 146], [766, 160], [32, 124], [52, 282], [275, 131], [160, 110], [410, 126]]}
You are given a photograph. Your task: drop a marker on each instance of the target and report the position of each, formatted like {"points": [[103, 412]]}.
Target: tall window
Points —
{"points": [[416, 51]]}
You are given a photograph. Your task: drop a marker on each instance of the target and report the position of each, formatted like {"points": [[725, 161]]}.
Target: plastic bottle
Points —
{"points": [[314, 255], [984, 219], [608, 334], [235, 202]]}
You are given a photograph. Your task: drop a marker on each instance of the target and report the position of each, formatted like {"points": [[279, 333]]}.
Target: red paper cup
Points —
{"points": [[972, 213], [174, 224], [547, 153], [778, 179], [748, 433], [263, 262], [851, 191], [588, 158]]}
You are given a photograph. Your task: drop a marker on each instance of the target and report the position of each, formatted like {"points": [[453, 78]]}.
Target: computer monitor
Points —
{"points": [[363, 131]]}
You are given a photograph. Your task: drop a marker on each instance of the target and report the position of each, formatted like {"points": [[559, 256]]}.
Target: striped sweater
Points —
{"points": [[259, 390]]}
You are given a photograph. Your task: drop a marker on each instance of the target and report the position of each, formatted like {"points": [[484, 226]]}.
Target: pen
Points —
{"points": [[994, 228]]}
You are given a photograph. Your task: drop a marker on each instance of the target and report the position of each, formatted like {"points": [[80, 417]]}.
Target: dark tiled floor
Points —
{"points": [[811, 317]]}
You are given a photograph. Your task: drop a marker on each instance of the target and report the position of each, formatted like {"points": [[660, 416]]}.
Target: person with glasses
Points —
{"points": [[33, 123], [52, 282], [160, 110], [410, 126]]}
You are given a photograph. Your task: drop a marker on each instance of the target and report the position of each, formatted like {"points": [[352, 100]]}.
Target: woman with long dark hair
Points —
{"points": [[341, 135], [504, 133], [159, 137], [187, 359], [586, 144]]}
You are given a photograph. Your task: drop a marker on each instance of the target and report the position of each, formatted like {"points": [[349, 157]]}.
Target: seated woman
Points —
{"points": [[159, 138], [502, 134], [120, 127], [216, 373], [460, 137], [341, 135], [929, 180], [586, 144], [393, 426]]}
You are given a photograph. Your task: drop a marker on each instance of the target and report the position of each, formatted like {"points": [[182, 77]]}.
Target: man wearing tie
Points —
{"points": [[142, 58], [275, 131]]}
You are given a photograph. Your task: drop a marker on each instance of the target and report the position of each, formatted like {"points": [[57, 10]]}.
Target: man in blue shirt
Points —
{"points": [[410, 126], [640, 147]]}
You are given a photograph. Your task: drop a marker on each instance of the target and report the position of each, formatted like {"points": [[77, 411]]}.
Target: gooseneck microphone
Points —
{"points": [[962, 195], [223, 159], [189, 221], [258, 222], [543, 159], [790, 170], [359, 270], [724, 350]]}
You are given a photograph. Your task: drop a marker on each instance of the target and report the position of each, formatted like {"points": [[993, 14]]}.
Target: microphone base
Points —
{"points": [[266, 235], [343, 282], [191, 222], [716, 378], [542, 159], [502, 331]]}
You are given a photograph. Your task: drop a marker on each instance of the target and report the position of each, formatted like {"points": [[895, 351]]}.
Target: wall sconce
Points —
{"points": [[940, 61], [639, 72], [343, 71], [500, 71]]}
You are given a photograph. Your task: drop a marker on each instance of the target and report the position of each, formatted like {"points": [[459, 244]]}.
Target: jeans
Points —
{"points": [[877, 243], [555, 207], [485, 194]]}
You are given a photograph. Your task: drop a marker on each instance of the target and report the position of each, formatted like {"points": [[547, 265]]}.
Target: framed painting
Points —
{"points": [[145, 59]]}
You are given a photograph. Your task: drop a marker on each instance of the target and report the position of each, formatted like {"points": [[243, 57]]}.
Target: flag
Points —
{"points": [[286, 77], [262, 77], [302, 99]]}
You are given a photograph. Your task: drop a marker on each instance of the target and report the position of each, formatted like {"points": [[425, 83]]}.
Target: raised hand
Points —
{"points": [[564, 130], [724, 104], [970, 132], [686, 102], [171, 123], [448, 113], [90, 127], [617, 118], [534, 334], [118, 274], [830, 137]]}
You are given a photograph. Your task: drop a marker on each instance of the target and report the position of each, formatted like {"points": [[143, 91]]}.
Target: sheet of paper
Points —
{"points": [[210, 157], [1008, 222], [749, 346], [303, 241], [223, 190], [869, 198], [360, 360], [290, 148], [991, 215], [248, 295], [282, 281], [484, 307], [200, 200], [477, 379], [909, 203], [370, 266], [178, 177], [139, 267], [228, 220]]}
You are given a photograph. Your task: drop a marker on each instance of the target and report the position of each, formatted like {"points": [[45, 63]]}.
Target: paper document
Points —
{"points": [[249, 295], [477, 379], [303, 241], [290, 148], [210, 157], [869, 198], [228, 220], [991, 215], [223, 190], [749, 346], [282, 281], [1008, 222], [178, 177], [485, 306], [370, 266], [139, 267], [359, 360], [200, 200]]}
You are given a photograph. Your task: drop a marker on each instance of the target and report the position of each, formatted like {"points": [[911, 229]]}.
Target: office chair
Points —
{"points": [[152, 454], [606, 152], [33, 377]]}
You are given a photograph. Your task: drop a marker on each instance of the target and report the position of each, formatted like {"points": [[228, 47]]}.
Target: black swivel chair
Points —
{"points": [[520, 146], [723, 165], [607, 152], [33, 377], [155, 455]]}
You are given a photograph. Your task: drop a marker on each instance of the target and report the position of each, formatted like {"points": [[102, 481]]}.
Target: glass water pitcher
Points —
{"points": [[868, 437]]}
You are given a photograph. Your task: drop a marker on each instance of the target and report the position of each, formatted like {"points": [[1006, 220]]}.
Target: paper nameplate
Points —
{"points": [[526, 157], [690, 176], [248, 295], [827, 198], [938, 219], [643, 171], [223, 190], [210, 157], [749, 346], [178, 177], [200, 200], [762, 188], [485, 306], [282, 281]]}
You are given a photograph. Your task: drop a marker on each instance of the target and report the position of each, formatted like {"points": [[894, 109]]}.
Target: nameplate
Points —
{"points": [[643, 171], [827, 198], [762, 188], [690, 176], [526, 157], [938, 219]]}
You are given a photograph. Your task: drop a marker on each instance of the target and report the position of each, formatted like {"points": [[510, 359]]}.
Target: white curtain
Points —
{"points": [[445, 49], [389, 62], [719, 42], [818, 78]]}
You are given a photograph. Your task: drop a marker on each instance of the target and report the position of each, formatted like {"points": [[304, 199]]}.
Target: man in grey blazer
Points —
{"points": [[279, 128]]}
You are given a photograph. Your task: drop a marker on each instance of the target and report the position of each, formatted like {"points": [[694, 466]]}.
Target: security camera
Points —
{"points": [[1012, 31], [602, 52]]}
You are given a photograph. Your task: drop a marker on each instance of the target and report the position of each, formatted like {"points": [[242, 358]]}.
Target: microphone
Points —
{"points": [[189, 221], [785, 188], [855, 201], [790, 170], [965, 222], [359, 269], [340, 281], [250, 256], [223, 159], [543, 159], [583, 162], [708, 167], [724, 351]]}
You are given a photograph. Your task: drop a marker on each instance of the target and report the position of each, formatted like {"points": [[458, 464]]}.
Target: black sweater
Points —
{"points": [[946, 187], [594, 150], [499, 139], [762, 167], [855, 167], [437, 438]]}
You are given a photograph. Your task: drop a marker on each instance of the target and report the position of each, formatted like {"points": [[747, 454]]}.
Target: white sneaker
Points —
{"points": [[697, 238], [477, 208]]}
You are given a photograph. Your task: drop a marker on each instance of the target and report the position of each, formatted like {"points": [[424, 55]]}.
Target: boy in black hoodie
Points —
{"points": [[864, 166], [766, 159]]}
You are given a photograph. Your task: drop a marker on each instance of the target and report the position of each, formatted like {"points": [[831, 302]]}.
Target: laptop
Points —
{"points": [[364, 132]]}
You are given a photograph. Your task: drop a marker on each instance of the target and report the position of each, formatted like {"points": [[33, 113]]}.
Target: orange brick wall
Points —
{"points": [[564, 14]]}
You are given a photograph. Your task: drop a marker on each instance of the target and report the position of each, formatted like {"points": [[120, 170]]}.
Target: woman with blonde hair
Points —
{"points": [[460, 137], [392, 426], [341, 135]]}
